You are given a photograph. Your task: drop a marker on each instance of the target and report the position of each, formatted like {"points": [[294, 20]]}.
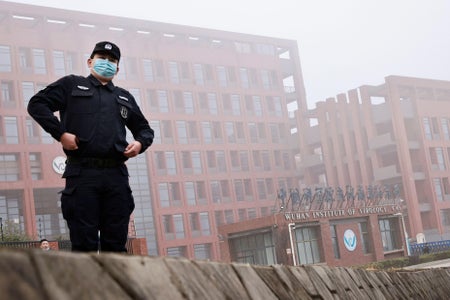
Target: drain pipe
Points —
{"points": [[294, 256]]}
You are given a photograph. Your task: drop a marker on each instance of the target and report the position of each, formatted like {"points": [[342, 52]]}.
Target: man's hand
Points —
{"points": [[69, 141], [133, 149]]}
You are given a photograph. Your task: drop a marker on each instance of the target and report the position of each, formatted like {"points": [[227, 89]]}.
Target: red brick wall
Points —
{"points": [[279, 227]]}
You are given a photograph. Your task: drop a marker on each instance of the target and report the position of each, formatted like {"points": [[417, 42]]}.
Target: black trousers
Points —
{"points": [[97, 204]]}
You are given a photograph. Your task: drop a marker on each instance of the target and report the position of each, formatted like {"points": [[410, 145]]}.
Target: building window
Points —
{"points": [[7, 95], [59, 63], [245, 81], [222, 76], [257, 249], [188, 103], [189, 192], [389, 232], [167, 135], [160, 162], [195, 224], [334, 241], [236, 105], [242, 47], [251, 213], [207, 132], [46, 138], [177, 251], [25, 60], [163, 102], [308, 248], [27, 92], [196, 162], [182, 132], [198, 74], [5, 59], [173, 72], [445, 128], [40, 67], [173, 226], [11, 130], [148, 70], [9, 167], [159, 70], [239, 190], [156, 126], [163, 189], [11, 208], [202, 251], [205, 224], [242, 214], [252, 129], [365, 237], [35, 166], [32, 131], [437, 158], [215, 191], [212, 103], [261, 187], [244, 161], [438, 189], [219, 218], [445, 217], [193, 132], [427, 128], [229, 216], [229, 131], [257, 106], [248, 190]]}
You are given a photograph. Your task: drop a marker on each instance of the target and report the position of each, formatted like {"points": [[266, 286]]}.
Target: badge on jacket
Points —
{"points": [[124, 112]]}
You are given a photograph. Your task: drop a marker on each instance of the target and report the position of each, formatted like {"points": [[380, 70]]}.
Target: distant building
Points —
{"points": [[217, 101], [394, 134], [341, 233], [381, 152]]}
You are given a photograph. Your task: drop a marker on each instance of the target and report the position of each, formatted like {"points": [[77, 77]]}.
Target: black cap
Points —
{"points": [[107, 47]]}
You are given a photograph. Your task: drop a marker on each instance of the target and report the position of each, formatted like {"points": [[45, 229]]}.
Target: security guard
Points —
{"points": [[97, 200]]}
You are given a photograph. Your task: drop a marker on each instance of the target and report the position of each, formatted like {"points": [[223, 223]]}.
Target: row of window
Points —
{"points": [[174, 225], [167, 132], [10, 166], [213, 132], [215, 161], [436, 128], [35, 61], [200, 251], [193, 193], [165, 101]]}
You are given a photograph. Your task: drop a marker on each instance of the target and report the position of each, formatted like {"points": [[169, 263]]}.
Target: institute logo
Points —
{"points": [[59, 164], [350, 240]]}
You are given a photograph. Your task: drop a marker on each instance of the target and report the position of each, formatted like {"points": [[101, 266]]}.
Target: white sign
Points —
{"points": [[59, 164], [350, 240]]}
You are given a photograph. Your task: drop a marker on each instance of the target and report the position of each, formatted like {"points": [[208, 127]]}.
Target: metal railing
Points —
{"points": [[431, 247], [63, 245]]}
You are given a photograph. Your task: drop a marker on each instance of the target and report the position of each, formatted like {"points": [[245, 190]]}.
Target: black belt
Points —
{"points": [[94, 162]]}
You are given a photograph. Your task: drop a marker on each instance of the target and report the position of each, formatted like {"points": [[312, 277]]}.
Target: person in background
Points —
{"points": [[44, 245], [97, 199]]}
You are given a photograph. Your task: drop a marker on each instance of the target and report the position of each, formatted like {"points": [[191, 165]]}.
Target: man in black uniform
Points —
{"points": [[97, 200]]}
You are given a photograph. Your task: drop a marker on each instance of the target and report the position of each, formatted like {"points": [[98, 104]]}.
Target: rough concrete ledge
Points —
{"points": [[33, 274]]}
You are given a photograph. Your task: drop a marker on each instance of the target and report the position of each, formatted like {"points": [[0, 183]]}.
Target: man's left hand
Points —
{"points": [[132, 149]]}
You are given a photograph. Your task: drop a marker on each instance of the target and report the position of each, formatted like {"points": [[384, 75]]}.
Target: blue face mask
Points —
{"points": [[105, 68]]}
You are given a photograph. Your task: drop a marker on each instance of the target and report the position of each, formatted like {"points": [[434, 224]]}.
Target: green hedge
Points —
{"points": [[401, 262]]}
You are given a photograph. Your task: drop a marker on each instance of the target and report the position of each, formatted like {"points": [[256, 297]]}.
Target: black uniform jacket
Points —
{"points": [[97, 114]]}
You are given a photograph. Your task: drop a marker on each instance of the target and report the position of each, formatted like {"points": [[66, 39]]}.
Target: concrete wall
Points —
{"points": [[34, 274]]}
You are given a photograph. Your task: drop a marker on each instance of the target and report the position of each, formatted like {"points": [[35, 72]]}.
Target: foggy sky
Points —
{"points": [[343, 44]]}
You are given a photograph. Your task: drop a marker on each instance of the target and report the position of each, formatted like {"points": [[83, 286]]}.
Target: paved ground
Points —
{"points": [[430, 265]]}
